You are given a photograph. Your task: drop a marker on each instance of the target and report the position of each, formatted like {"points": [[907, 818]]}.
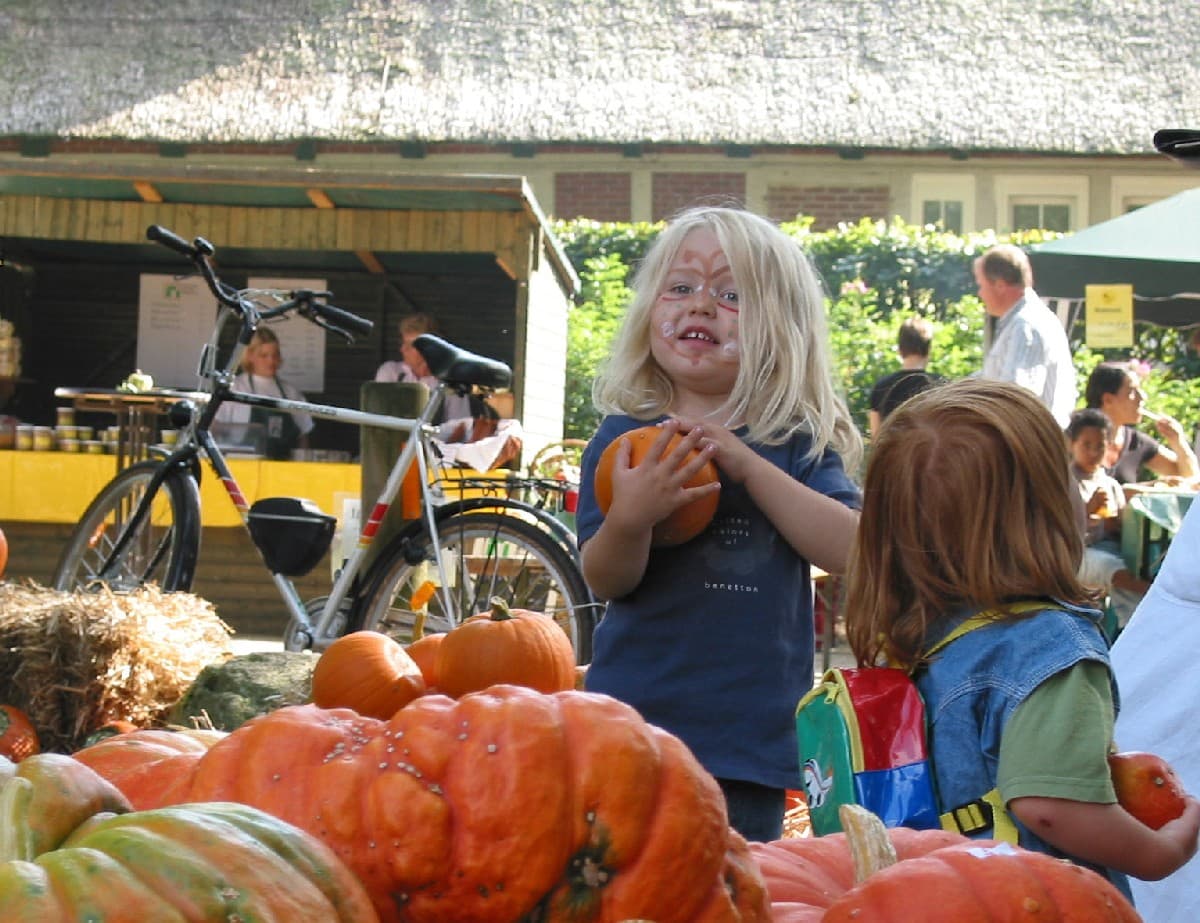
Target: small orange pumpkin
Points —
{"points": [[1147, 787], [425, 652], [18, 736], [3, 552], [685, 523], [369, 672], [517, 647]]}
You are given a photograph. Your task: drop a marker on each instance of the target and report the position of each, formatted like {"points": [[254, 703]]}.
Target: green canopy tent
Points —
{"points": [[1156, 249]]}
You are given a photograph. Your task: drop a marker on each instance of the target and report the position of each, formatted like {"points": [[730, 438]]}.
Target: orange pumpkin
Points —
{"points": [[3, 552], [603, 816], [368, 672], [686, 522], [425, 652], [18, 736], [148, 765], [506, 646], [928, 876], [1147, 787]]}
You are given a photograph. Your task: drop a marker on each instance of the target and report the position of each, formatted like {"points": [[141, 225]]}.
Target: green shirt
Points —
{"points": [[1057, 741]]}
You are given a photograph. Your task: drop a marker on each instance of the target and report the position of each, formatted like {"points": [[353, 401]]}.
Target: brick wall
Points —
{"points": [[673, 191], [829, 205], [599, 196]]}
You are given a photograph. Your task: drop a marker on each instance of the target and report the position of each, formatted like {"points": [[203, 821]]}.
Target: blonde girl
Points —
{"points": [[725, 342]]}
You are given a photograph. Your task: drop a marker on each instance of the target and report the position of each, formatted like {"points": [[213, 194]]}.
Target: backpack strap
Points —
{"points": [[988, 811]]}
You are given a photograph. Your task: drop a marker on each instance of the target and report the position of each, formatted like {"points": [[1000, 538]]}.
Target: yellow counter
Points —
{"points": [[58, 486]]}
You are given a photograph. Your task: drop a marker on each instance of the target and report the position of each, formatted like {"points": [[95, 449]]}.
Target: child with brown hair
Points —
{"points": [[1103, 499], [967, 509]]}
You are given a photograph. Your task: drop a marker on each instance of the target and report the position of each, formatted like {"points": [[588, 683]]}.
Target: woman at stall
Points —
{"points": [[1116, 389], [285, 430]]}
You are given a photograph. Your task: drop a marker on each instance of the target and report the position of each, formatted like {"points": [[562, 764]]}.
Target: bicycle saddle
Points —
{"points": [[456, 366]]}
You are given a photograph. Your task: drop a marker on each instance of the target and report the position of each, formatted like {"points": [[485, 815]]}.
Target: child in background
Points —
{"points": [[713, 639], [1089, 432], [1026, 705]]}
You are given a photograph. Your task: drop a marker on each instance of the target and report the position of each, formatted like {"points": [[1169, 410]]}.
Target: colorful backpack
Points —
{"points": [[862, 741]]}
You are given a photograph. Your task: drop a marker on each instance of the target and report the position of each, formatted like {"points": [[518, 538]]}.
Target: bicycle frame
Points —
{"points": [[196, 442]]}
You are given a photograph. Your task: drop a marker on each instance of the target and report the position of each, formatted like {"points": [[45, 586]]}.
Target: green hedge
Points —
{"points": [[876, 275]]}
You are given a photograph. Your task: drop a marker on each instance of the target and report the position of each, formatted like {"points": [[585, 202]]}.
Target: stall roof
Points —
{"points": [[271, 187]]}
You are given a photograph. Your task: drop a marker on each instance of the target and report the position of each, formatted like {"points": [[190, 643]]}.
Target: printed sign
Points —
{"points": [[175, 318], [1108, 316]]}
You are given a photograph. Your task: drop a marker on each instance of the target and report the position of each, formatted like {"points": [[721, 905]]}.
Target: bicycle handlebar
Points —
{"points": [[326, 315], [339, 318]]}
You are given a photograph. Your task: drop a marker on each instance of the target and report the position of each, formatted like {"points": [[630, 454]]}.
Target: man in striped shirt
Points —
{"points": [[1029, 346]]}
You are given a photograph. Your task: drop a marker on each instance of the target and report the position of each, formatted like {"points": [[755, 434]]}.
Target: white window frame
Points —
{"points": [[1024, 189], [1131, 191], [944, 187]]}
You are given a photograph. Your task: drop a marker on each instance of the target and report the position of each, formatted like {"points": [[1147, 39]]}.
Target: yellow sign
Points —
{"points": [[1108, 315]]}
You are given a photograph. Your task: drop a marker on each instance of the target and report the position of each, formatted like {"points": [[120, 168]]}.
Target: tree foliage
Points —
{"points": [[876, 274]]}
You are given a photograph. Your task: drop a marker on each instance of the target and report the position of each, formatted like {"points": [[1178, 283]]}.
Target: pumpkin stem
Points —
{"points": [[870, 846], [500, 610]]}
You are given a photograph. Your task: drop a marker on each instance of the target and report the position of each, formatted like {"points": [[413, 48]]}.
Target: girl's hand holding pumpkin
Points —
{"points": [[731, 455], [649, 492]]}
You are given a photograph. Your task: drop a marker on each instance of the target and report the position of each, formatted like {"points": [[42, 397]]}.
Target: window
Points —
{"points": [[1033, 200], [1052, 216], [1131, 192], [947, 199], [945, 212]]}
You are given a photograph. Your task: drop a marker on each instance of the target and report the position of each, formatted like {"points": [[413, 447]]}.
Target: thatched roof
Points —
{"points": [[1082, 76]]}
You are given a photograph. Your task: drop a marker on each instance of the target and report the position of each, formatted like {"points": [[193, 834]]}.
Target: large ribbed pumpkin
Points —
{"points": [[502, 805], [505, 646], [368, 672], [927, 876], [69, 852]]}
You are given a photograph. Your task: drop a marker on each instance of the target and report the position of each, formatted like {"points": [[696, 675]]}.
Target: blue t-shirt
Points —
{"points": [[715, 644]]}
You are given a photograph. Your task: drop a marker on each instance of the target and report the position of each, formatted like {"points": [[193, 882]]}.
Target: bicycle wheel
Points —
{"points": [[484, 554], [163, 550]]}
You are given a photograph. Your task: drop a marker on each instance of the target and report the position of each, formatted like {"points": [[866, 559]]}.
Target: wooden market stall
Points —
{"points": [[475, 251]]}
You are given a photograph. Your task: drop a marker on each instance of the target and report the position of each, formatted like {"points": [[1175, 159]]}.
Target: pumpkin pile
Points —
{"points": [[376, 676], [927, 876], [70, 850], [506, 804]]}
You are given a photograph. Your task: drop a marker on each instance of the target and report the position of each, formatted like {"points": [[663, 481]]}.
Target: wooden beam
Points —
{"points": [[148, 191], [319, 198], [368, 259], [350, 230]]}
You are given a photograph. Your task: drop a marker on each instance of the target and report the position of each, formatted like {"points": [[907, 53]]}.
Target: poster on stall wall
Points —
{"points": [[175, 318], [1108, 321], [301, 342]]}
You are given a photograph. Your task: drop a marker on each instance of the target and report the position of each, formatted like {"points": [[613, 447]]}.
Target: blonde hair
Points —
{"points": [[261, 335], [784, 383], [965, 504]]}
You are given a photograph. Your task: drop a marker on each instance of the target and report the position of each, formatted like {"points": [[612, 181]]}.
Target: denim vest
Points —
{"points": [[972, 688]]}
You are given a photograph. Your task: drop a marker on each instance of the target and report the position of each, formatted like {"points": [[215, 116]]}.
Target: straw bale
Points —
{"points": [[74, 661]]}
